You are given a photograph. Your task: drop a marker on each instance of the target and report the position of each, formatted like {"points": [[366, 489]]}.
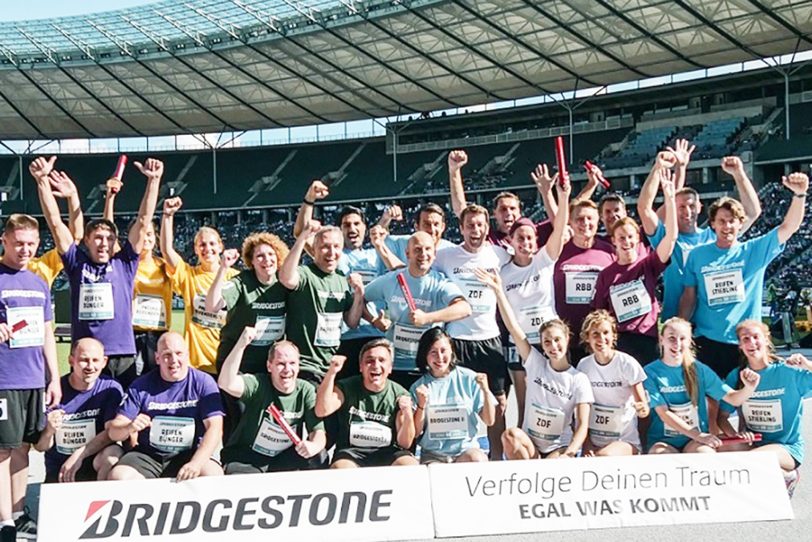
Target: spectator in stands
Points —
{"points": [[375, 415], [259, 443], [176, 414], [430, 218], [102, 281], [724, 281], [202, 328]]}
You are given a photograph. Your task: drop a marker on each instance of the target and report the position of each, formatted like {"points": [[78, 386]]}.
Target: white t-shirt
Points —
{"points": [[612, 416], [550, 402], [529, 290], [458, 265]]}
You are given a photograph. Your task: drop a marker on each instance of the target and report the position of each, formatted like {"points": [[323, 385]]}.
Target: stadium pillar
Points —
{"points": [[394, 156], [786, 104], [214, 168]]}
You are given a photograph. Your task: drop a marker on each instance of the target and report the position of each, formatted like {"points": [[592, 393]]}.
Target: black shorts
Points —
{"points": [[155, 467], [250, 462], [122, 369], [86, 473], [484, 357], [371, 457], [721, 357], [146, 345], [643, 348], [22, 417], [512, 358]]}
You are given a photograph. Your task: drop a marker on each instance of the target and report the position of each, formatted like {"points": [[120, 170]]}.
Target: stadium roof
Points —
{"points": [[177, 67]]}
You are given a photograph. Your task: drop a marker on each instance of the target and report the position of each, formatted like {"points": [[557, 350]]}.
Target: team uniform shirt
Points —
{"points": [[257, 435], [673, 275], [314, 324], [23, 297], [458, 265], [431, 292], [397, 244], [86, 412], [529, 289], [613, 416], [367, 419], [152, 296], [101, 297], [177, 411], [451, 417], [47, 266], [202, 330], [628, 292], [251, 303], [666, 387], [729, 284], [776, 408], [368, 264], [574, 278], [550, 402]]}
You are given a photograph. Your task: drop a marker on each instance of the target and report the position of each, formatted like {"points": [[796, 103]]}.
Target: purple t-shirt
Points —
{"points": [[101, 297], [86, 412], [574, 278], [23, 297], [627, 291], [177, 410]]}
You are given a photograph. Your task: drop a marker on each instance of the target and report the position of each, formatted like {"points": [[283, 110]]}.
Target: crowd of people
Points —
{"points": [[394, 354]]}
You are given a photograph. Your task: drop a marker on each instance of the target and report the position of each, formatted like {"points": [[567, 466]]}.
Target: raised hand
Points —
{"points": [[249, 333], [310, 229], [667, 183], [113, 185], [666, 160], [492, 280], [749, 378], [336, 364], [172, 205], [563, 189], [317, 191], [356, 283], [41, 168], [682, 152], [377, 235], [457, 159], [405, 403], [152, 169], [61, 185], [482, 381], [541, 178], [732, 165], [229, 257], [422, 392], [798, 183], [393, 213]]}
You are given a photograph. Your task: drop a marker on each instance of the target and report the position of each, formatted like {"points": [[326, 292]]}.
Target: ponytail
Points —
{"points": [[689, 373]]}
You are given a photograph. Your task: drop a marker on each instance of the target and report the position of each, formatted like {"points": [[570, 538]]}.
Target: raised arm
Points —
{"points": [[230, 380], [494, 282], [377, 237], [544, 184], [153, 170], [798, 184], [41, 169], [456, 160], [645, 201], [328, 397], [404, 422], [316, 192], [167, 237], [555, 243], [681, 151], [733, 166], [113, 187], [591, 184], [63, 187], [214, 297], [289, 272], [666, 245], [488, 412], [393, 213], [352, 316]]}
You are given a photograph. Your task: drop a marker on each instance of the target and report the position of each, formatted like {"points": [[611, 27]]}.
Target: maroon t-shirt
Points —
{"points": [[576, 273], [627, 291]]}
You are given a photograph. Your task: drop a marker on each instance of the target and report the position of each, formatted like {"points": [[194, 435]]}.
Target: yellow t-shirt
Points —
{"points": [[202, 329], [47, 266], [152, 296]]}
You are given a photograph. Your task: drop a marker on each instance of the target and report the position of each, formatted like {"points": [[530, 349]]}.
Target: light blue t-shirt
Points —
{"points": [[729, 284], [451, 416], [431, 292], [776, 408], [672, 277], [666, 387], [397, 244], [367, 263]]}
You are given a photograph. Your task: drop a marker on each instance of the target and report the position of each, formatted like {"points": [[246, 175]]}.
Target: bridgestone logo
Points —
{"points": [[125, 520]]}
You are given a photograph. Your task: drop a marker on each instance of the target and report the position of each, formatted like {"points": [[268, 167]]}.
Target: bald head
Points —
{"points": [[172, 356], [420, 253]]}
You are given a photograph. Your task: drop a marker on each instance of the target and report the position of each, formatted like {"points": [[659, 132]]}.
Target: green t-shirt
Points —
{"points": [[367, 419], [251, 303], [257, 436], [315, 313]]}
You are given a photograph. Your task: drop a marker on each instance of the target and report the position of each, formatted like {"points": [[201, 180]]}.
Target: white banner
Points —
{"points": [[588, 493], [370, 504]]}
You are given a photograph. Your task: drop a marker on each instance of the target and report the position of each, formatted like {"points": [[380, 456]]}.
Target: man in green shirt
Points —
{"points": [[375, 416], [259, 444]]}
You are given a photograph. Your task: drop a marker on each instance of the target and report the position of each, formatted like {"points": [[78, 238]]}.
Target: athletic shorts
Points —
{"points": [[643, 348], [22, 417], [155, 467], [371, 457], [86, 473], [484, 357], [512, 358], [721, 357], [250, 462]]}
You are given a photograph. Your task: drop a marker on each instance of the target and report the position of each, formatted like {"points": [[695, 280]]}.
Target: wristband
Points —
{"points": [[305, 202], [796, 195]]}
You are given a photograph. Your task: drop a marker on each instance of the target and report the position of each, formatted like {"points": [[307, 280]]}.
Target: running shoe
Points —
{"points": [[26, 526]]}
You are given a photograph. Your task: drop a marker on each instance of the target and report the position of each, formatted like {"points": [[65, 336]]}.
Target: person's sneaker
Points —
{"points": [[8, 533], [791, 479], [26, 526]]}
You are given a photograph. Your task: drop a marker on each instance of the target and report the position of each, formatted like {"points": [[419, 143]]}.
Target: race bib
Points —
{"points": [[96, 301], [3, 409], [630, 300], [328, 329], [724, 287], [480, 297], [370, 435], [33, 334], [149, 311], [686, 412], [203, 318], [579, 286], [530, 319], [406, 338], [172, 434], [447, 422], [271, 440], [545, 423], [269, 330], [763, 416], [74, 434], [606, 421]]}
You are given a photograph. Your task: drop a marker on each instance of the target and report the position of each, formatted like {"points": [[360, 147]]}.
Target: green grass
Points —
{"points": [[63, 348]]}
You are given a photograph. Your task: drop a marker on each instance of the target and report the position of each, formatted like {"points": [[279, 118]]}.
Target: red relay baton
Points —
{"points": [[407, 293], [119, 172], [561, 160], [18, 326], [590, 167], [739, 440], [283, 423]]}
